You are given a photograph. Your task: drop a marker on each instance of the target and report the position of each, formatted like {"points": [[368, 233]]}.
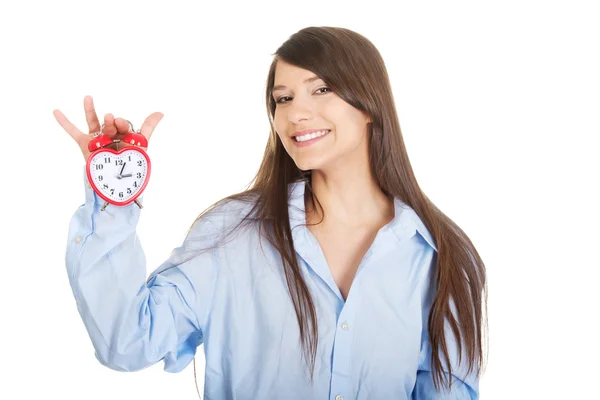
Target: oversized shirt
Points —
{"points": [[234, 299]]}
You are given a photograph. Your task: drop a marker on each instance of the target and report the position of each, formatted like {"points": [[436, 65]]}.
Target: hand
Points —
{"points": [[115, 128]]}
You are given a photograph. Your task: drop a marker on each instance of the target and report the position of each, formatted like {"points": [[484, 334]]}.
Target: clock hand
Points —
{"points": [[122, 168], [126, 175]]}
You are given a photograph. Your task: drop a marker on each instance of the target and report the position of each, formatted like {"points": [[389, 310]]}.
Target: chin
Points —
{"points": [[313, 160], [309, 164]]}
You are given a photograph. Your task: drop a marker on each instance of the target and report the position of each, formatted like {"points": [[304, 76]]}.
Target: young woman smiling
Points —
{"points": [[363, 288]]}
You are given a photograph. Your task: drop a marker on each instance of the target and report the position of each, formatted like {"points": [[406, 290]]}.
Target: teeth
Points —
{"points": [[310, 136]]}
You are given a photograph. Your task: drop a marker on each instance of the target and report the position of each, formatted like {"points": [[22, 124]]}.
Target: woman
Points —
{"points": [[363, 290]]}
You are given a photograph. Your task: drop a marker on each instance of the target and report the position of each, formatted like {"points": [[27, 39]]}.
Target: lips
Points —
{"points": [[306, 131], [311, 135], [310, 140]]}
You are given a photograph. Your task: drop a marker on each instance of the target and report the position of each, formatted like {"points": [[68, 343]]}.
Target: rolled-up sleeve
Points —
{"points": [[133, 322]]}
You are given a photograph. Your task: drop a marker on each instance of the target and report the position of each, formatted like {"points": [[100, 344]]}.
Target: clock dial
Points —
{"points": [[119, 177]]}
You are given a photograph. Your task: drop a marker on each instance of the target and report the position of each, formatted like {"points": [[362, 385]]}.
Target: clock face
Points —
{"points": [[119, 177]]}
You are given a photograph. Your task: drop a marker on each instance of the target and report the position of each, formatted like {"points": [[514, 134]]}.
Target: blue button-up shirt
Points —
{"points": [[235, 300]]}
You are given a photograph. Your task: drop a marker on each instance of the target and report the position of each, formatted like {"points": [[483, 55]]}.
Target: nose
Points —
{"points": [[300, 109]]}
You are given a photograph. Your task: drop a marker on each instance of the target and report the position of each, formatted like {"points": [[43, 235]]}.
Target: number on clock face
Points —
{"points": [[119, 176]]}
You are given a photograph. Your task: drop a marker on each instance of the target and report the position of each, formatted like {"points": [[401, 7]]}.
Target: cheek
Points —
{"points": [[280, 132], [278, 123], [355, 122]]}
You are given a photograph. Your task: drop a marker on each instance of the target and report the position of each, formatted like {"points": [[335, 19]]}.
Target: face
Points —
{"points": [[304, 102]]}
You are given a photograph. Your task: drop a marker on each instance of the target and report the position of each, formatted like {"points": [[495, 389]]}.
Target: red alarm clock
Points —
{"points": [[119, 177]]}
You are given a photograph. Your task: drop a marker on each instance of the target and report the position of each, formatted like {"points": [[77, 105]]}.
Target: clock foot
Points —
{"points": [[138, 204], [104, 206]]}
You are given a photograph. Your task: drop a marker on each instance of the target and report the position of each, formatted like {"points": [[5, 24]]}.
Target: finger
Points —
{"points": [[122, 125], [90, 114], [69, 127], [150, 123], [110, 128]]}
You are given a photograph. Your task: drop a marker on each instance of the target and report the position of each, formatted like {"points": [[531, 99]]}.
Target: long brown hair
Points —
{"points": [[352, 67]]}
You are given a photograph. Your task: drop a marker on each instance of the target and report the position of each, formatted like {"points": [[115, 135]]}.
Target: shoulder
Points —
{"points": [[424, 232], [412, 218], [224, 216]]}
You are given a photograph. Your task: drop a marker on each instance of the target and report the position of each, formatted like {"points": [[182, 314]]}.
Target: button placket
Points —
{"points": [[342, 349]]}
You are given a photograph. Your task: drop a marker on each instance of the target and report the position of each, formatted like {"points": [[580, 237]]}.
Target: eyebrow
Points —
{"points": [[279, 87]]}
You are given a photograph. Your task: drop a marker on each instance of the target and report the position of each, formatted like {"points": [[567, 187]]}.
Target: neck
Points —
{"points": [[349, 199]]}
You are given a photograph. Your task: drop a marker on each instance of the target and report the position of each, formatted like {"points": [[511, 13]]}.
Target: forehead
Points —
{"points": [[290, 75]]}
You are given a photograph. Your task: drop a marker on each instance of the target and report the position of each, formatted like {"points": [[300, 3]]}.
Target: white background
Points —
{"points": [[499, 107]]}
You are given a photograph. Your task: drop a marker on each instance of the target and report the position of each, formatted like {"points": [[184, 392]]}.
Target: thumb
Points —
{"points": [[80, 138]]}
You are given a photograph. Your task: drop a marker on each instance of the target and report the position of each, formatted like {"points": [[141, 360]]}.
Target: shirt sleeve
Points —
{"points": [[133, 322], [464, 386]]}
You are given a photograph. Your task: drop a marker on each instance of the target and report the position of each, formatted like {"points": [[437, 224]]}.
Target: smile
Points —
{"points": [[310, 136]]}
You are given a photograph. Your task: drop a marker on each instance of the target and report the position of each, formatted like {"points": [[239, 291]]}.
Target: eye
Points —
{"points": [[324, 87], [278, 101]]}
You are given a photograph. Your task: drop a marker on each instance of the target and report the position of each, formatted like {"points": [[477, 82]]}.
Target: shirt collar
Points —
{"points": [[404, 225]]}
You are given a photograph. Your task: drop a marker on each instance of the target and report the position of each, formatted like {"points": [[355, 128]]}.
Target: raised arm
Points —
{"points": [[133, 323]]}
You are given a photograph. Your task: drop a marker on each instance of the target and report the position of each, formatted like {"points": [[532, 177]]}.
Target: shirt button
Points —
{"points": [[345, 326], [78, 239], [339, 397]]}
